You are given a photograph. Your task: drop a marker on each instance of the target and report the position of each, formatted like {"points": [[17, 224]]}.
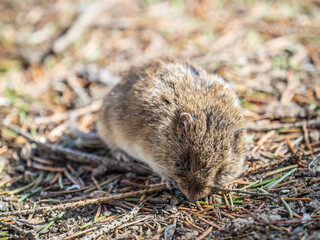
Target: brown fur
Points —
{"points": [[186, 124]]}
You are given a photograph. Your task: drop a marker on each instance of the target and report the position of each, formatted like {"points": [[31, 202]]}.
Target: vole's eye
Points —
{"points": [[178, 165], [189, 166]]}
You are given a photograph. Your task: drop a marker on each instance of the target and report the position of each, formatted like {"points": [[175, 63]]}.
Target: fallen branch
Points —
{"points": [[82, 203], [245, 192], [106, 164], [293, 221]]}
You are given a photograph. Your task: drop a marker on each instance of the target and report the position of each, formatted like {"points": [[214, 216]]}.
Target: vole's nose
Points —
{"points": [[194, 190], [193, 196]]}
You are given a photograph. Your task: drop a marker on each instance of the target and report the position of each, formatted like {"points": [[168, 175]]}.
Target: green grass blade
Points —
{"points": [[15, 191], [29, 194], [249, 186], [49, 200], [51, 223], [92, 222], [287, 207], [276, 182], [266, 182]]}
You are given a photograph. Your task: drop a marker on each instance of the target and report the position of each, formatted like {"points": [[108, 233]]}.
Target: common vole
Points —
{"points": [[185, 124]]}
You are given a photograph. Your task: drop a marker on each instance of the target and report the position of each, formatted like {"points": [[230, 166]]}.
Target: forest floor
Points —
{"points": [[57, 60]]}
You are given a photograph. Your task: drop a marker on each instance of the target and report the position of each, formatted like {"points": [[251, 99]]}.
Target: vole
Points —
{"points": [[185, 124]]}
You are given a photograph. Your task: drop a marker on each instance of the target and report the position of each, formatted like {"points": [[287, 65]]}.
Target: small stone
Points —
{"points": [[68, 196], [98, 194], [172, 209], [315, 236], [274, 217], [135, 228], [314, 136], [169, 232], [130, 175], [107, 213], [218, 200], [3, 206], [315, 204], [191, 235], [306, 217], [43, 194]]}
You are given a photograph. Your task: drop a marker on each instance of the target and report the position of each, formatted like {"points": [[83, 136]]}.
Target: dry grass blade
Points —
{"points": [[312, 123], [281, 170], [93, 107], [80, 234], [263, 139], [306, 137]]}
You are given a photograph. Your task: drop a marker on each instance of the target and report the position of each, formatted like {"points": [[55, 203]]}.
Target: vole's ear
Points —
{"points": [[238, 132], [185, 119]]}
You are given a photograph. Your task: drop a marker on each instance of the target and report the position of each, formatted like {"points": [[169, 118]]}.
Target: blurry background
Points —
{"points": [[58, 55], [58, 58]]}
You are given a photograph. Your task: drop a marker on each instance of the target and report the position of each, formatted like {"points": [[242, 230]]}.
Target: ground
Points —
{"points": [[58, 58]]}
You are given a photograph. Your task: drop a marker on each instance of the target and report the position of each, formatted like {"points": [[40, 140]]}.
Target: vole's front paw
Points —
{"points": [[168, 181], [120, 155]]}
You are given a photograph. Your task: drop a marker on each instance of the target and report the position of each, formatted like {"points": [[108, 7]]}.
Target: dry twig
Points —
{"points": [[82, 203], [312, 123], [107, 163]]}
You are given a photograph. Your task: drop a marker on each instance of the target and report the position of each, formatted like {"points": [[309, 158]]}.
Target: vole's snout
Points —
{"points": [[192, 196], [195, 191]]}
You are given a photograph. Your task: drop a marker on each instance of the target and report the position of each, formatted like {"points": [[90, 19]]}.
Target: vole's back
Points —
{"points": [[142, 111]]}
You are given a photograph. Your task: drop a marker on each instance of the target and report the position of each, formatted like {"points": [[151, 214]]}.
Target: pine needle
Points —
{"points": [[287, 207], [276, 182], [50, 223], [29, 194]]}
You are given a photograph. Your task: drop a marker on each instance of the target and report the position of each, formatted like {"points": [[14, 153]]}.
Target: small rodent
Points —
{"points": [[185, 124]]}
